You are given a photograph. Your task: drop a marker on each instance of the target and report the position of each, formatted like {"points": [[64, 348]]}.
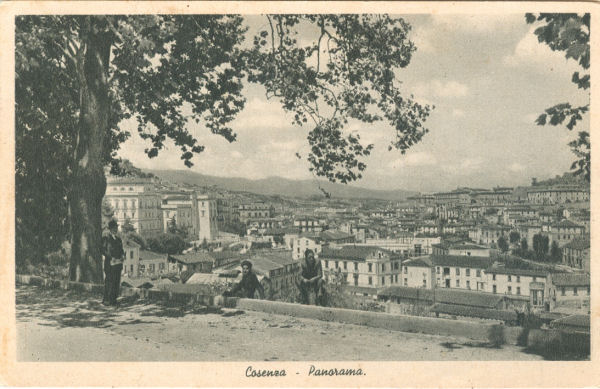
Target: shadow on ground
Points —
{"points": [[63, 308]]}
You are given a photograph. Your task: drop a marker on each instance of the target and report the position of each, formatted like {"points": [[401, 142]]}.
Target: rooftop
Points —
{"points": [[461, 261], [571, 279]]}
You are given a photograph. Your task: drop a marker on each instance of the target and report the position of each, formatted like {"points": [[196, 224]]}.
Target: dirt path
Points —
{"points": [[55, 325]]}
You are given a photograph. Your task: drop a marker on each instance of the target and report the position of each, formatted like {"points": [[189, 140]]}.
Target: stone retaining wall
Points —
{"points": [[405, 323]]}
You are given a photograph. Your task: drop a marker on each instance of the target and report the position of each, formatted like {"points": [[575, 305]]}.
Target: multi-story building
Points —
{"points": [[255, 210], [488, 234], [558, 195], [461, 248], [182, 214], [571, 290], [362, 266], [458, 196], [492, 197], [576, 253], [418, 273], [461, 272], [565, 231], [310, 225], [519, 282], [135, 200], [280, 270], [207, 217]]}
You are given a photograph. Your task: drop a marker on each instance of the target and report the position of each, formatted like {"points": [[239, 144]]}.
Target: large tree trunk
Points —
{"points": [[89, 183]]}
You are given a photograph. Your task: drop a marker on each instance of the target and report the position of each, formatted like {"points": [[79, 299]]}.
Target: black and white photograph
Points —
{"points": [[283, 185]]}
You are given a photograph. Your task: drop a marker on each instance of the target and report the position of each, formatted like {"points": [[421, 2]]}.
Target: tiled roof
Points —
{"points": [[578, 244], [351, 252], [578, 321], [151, 255], [565, 223], [517, 272], [445, 296], [571, 279], [334, 235], [417, 262], [461, 261]]}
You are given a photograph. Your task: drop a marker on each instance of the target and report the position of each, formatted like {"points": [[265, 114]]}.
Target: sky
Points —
{"points": [[486, 75]]}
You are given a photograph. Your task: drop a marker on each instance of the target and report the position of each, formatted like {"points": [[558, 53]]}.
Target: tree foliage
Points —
{"points": [[569, 33], [78, 77], [514, 237], [540, 245], [167, 244], [502, 244]]}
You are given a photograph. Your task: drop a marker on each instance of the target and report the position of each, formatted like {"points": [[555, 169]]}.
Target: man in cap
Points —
{"points": [[112, 250], [311, 279], [248, 285]]}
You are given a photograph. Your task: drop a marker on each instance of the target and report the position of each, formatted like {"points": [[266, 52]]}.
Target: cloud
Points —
{"points": [[439, 88], [417, 159], [516, 167], [458, 113], [530, 52]]}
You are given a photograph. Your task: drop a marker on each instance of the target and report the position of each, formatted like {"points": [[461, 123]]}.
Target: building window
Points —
{"points": [[397, 282], [382, 280], [326, 264], [468, 284], [345, 265], [468, 272], [518, 278], [494, 289], [493, 277], [588, 290], [355, 265], [355, 279], [562, 291], [438, 270], [161, 266], [458, 283], [142, 268], [510, 290], [575, 292], [131, 269], [478, 273], [131, 254], [534, 279], [509, 278], [337, 265], [405, 270], [370, 280], [382, 267], [370, 267], [458, 271], [406, 282], [518, 290], [151, 268]]}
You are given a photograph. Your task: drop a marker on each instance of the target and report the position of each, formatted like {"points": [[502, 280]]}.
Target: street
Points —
{"points": [[57, 325]]}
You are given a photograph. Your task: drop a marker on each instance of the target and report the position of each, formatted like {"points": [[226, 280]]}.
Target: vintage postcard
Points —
{"points": [[365, 194]]}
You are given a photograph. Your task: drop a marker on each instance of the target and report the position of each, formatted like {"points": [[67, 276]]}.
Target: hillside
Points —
{"points": [[279, 186]]}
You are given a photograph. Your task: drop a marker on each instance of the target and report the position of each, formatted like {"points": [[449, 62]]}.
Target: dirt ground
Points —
{"points": [[56, 325]]}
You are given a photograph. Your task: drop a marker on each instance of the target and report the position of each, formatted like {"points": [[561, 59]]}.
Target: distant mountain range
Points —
{"points": [[280, 186]]}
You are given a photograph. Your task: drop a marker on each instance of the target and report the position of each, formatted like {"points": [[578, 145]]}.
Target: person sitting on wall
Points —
{"points": [[311, 279], [249, 284]]}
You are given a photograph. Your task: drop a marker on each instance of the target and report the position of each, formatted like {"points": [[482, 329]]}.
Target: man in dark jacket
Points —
{"points": [[311, 279], [112, 250], [248, 285]]}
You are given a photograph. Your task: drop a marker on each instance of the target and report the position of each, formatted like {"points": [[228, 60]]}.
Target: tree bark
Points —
{"points": [[89, 182]]}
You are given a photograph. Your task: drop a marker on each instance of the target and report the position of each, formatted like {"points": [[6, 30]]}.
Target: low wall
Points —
{"points": [[405, 323]]}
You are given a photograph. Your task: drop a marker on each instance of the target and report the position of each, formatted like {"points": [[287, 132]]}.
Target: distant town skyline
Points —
{"points": [[488, 77]]}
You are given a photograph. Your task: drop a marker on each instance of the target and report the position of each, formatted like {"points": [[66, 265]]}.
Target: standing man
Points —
{"points": [[248, 285], [311, 278], [112, 249]]}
